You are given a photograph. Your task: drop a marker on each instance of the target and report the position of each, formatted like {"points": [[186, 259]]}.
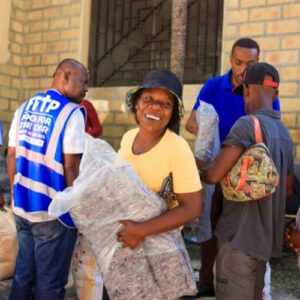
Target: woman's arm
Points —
{"points": [[190, 206]]}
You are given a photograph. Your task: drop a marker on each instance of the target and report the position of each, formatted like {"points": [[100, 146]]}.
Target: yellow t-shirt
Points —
{"points": [[171, 154]]}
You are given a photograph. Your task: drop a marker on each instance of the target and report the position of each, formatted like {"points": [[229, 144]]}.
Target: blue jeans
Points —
{"points": [[43, 261]]}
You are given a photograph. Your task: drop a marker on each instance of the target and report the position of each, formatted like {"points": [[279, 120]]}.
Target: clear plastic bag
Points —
{"points": [[206, 147], [207, 142], [106, 191]]}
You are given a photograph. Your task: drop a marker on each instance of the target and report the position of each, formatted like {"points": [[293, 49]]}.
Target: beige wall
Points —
{"points": [[42, 32], [275, 25], [11, 36]]}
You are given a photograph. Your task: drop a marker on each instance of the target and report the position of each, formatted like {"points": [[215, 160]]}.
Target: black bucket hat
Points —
{"points": [[160, 79], [255, 74]]}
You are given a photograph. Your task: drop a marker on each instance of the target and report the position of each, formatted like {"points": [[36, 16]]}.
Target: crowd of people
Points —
{"points": [[46, 142]]}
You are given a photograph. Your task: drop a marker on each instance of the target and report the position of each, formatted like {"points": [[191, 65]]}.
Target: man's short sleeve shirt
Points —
{"points": [[230, 107], [72, 143], [256, 227]]}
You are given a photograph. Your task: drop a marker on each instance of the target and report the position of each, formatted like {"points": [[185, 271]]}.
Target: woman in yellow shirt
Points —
{"points": [[155, 151]]}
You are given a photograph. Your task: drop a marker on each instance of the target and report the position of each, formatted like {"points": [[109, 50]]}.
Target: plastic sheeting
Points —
{"points": [[106, 191], [206, 147]]}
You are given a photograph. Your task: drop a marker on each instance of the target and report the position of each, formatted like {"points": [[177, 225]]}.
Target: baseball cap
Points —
{"points": [[255, 74], [161, 78]]}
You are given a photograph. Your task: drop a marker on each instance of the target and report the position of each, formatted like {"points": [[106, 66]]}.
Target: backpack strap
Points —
{"points": [[257, 129]]}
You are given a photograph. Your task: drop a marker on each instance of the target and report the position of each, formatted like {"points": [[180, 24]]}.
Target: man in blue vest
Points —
{"points": [[218, 92], [44, 150]]}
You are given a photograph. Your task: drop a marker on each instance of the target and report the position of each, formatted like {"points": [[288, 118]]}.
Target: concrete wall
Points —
{"points": [[39, 33], [35, 35], [275, 25], [11, 36]]}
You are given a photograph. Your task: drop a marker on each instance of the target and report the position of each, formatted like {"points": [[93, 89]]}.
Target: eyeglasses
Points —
{"points": [[164, 104]]}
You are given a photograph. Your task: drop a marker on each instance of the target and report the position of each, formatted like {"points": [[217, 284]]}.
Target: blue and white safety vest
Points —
{"points": [[39, 151]]}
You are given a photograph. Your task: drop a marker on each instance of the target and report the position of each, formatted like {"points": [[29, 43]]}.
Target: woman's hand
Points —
{"points": [[292, 237], [131, 235], [190, 207]]}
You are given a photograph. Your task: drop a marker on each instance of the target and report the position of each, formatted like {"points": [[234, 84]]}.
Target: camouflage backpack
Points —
{"points": [[254, 176]]}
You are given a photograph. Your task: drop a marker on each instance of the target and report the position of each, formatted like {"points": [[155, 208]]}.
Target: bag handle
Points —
{"points": [[257, 129]]}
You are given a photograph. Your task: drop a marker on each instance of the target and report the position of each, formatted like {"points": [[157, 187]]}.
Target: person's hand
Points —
{"points": [[131, 235], [292, 237], [191, 125]]}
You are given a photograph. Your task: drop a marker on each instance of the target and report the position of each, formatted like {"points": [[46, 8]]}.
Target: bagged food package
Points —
{"points": [[206, 147], [207, 142], [8, 243], [106, 191]]}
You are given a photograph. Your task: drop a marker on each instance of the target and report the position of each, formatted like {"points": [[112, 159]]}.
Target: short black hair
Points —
{"points": [[174, 123], [246, 43]]}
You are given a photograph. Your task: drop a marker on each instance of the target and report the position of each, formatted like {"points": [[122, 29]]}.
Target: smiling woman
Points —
{"points": [[153, 116], [155, 151], [164, 81]]}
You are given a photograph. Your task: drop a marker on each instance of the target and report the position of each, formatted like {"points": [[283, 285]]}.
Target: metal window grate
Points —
{"points": [[130, 37], [204, 40]]}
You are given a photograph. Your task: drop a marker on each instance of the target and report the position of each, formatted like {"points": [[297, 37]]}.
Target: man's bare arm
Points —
{"points": [[221, 165], [11, 166], [191, 124], [71, 167]]}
